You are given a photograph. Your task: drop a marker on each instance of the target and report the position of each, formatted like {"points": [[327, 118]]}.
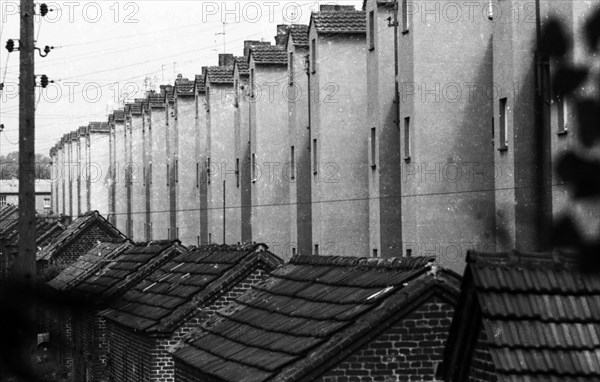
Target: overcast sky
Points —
{"points": [[105, 49]]}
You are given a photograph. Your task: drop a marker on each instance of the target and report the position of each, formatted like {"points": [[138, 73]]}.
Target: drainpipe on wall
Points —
{"points": [[542, 205]]}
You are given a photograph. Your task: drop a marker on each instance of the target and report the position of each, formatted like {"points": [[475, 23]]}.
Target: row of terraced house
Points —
{"points": [[162, 312], [353, 134]]}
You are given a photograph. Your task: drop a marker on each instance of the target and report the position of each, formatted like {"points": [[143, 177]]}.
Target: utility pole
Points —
{"points": [[224, 33], [25, 267]]}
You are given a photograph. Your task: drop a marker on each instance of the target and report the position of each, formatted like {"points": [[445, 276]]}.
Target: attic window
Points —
{"points": [[380, 293]]}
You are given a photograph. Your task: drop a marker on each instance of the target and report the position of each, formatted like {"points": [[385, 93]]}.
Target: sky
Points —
{"points": [[107, 51]]}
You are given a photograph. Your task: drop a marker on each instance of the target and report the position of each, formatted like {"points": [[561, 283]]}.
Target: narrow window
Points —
{"points": [[236, 100], [292, 164], [405, 16], [237, 172], [46, 202], [315, 158], [407, 152], [373, 148], [375, 254], [208, 170], [372, 30], [503, 121], [253, 168], [314, 54], [316, 249], [291, 67], [562, 115], [209, 238], [293, 251]]}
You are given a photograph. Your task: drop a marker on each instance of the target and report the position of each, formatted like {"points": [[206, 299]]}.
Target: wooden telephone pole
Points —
{"points": [[25, 268]]}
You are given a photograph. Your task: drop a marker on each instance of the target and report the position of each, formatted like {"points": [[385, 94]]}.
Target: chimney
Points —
{"points": [[225, 59], [336, 8], [281, 37], [204, 68]]}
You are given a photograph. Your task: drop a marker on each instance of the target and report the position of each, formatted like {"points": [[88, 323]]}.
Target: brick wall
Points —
{"points": [[82, 244], [61, 336], [91, 348], [409, 350], [129, 355], [482, 367], [160, 363]]}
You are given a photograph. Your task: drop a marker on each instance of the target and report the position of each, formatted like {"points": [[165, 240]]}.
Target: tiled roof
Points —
{"points": [[170, 294], [135, 108], [156, 101], [99, 127], [199, 83], [540, 314], [47, 229], [8, 216], [299, 34], [219, 74], [88, 264], [242, 65], [119, 115], [269, 54], [125, 269], [74, 230], [340, 22], [305, 313], [184, 87]]}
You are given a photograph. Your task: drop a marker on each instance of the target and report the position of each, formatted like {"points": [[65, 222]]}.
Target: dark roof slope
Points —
{"points": [[299, 34], [340, 22], [269, 54], [199, 83], [74, 230], [307, 314], [219, 74], [9, 215], [188, 281], [88, 264], [540, 314], [242, 64], [125, 269]]}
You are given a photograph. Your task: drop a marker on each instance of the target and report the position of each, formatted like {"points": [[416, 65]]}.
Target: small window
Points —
{"points": [[291, 67], [372, 30], [292, 164], [293, 251], [237, 172], [503, 121], [373, 148], [375, 254], [313, 53], [405, 16], [407, 152], [562, 111], [316, 249], [2, 200], [315, 158]]}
